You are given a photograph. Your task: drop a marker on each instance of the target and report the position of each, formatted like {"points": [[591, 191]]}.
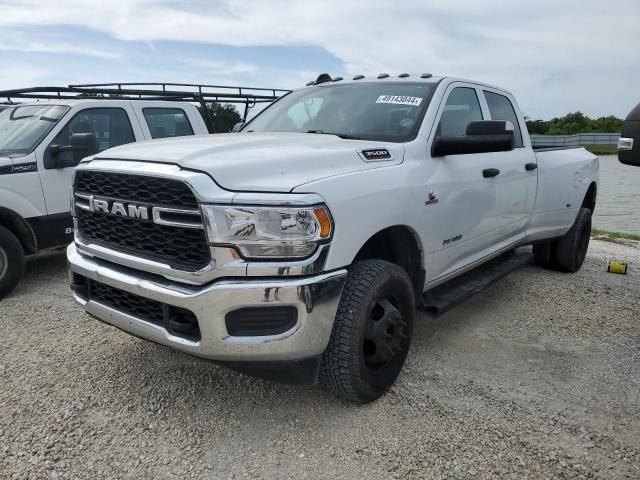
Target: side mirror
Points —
{"points": [[236, 128], [481, 137], [64, 156], [629, 142]]}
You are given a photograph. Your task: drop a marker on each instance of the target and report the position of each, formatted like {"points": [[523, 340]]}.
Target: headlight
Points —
{"points": [[269, 232]]}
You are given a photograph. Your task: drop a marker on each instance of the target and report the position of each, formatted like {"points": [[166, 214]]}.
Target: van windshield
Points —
{"points": [[22, 128], [379, 111]]}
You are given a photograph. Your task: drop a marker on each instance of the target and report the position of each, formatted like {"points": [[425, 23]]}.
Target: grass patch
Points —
{"points": [[615, 235], [602, 149]]}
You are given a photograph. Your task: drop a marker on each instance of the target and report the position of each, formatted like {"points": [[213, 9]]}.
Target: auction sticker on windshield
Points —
{"points": [[400, 100]]}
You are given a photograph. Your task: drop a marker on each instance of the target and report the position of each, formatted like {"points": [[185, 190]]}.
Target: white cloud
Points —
{"points": [[219, 68], [14, 40], [590, 45]]}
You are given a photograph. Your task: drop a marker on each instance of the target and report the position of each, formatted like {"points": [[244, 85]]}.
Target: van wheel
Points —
{"points": [[11, 261], [572, 247], [371, 333]]}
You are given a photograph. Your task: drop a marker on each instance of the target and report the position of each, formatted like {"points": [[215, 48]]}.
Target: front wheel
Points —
{"points": [[11, 261], [371, 333]]}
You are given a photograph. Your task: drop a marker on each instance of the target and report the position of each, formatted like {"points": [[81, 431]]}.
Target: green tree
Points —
{"points": [[220, 118], [572, 123]]}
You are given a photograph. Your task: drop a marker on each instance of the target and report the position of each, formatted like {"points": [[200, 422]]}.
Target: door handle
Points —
{"points": [[530, 167], [490, 172]]}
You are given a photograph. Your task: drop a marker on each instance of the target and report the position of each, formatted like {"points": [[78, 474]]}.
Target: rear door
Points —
{"points": [[168, 120], [518, 167]]}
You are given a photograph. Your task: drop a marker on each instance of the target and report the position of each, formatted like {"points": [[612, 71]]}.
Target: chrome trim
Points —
{"points": [[316, 299], [310, 266], [224, 263], [625, 144], [157, 217], [88, 198]]}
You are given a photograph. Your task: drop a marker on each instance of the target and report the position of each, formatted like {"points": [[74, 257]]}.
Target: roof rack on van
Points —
{"points": [[177, 92]]}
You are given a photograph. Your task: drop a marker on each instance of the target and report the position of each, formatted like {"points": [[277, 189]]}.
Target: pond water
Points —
{"points": [[618, 207]]}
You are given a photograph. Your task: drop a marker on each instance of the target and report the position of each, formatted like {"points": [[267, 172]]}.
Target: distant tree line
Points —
{"points": [[574, 123], [219, 117]]}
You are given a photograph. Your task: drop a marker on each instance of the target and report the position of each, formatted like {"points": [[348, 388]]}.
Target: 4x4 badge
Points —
{"points": [[433, 198]]}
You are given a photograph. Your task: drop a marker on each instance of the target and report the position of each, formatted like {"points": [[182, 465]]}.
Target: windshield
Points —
{"points": [[369, 111], [22, 128]]}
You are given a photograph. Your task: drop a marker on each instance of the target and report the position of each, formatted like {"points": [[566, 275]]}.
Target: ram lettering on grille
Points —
{"points": [[149, 217]]}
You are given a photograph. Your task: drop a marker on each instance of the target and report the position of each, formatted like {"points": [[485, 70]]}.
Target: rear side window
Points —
{"points": [[111, 127], [501, 109], [462, 107], [167, 122]]}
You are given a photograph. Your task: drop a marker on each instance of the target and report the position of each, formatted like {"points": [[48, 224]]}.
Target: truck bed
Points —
{"points": [[548, 148]]}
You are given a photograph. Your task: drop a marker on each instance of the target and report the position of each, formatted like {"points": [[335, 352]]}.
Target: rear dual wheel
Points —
{"points": [[568, 252], [371, 333]]}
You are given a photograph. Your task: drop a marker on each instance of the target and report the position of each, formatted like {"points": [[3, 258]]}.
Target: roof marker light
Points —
{"points": [[383, 75], [426, 75], [358, 77], [403, 75]]}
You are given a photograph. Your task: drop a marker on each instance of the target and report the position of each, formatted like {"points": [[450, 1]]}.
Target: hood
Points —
{"points": [[274, 162]]}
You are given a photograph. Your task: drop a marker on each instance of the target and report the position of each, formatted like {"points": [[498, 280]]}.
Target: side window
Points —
{"points": [[462, 107], [167, 122], [111, 127], [501, 109]]}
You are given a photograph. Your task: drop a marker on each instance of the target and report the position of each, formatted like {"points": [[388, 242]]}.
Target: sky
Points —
{"points": [[555, 56]]}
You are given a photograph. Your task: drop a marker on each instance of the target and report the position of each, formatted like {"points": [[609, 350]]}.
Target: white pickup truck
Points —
{"points": [[299, 248], [40, 144]]}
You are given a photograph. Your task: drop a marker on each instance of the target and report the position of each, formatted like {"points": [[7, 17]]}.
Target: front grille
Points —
{"points": [[163, 192], [182, 248], [177, 321]]}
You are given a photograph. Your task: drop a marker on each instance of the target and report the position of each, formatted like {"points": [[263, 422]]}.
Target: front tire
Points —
{"points": [[371, 333], [11, 261]]}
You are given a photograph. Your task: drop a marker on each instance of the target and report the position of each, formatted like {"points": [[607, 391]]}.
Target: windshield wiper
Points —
{"points": [[341, 135]]}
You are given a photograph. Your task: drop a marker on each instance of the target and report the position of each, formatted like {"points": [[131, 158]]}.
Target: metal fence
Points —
{"points": [[575, 140]]}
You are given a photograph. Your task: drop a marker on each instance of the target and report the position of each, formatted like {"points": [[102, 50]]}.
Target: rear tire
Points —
{"points": [[567, 253], [544, 255], [11, 261], [572, 247], [371, 334]]}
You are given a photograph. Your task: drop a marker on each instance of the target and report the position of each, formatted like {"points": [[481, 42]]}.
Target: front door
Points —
{"points": [[479, 211], [111, 126]]}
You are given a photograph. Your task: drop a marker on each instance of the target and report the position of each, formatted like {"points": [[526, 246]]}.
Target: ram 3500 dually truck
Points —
{"points": [[300, 247], [41, 143]]}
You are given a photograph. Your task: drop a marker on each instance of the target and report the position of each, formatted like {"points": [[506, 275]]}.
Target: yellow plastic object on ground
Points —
{"points": [[617, 267]]}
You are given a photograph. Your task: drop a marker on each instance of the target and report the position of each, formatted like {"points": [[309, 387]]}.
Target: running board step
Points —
{"points": [[455, 291]]}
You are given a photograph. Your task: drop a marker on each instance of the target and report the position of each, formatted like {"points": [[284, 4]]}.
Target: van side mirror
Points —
{"points": [[629, 142], [481, 137], [236, 128], [64, 156]]}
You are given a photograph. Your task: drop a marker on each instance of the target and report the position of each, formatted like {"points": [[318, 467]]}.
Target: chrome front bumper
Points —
{"points": [[316, 299]]}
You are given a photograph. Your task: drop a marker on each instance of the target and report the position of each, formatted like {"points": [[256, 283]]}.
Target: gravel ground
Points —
{"points": [[538, 376]]}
